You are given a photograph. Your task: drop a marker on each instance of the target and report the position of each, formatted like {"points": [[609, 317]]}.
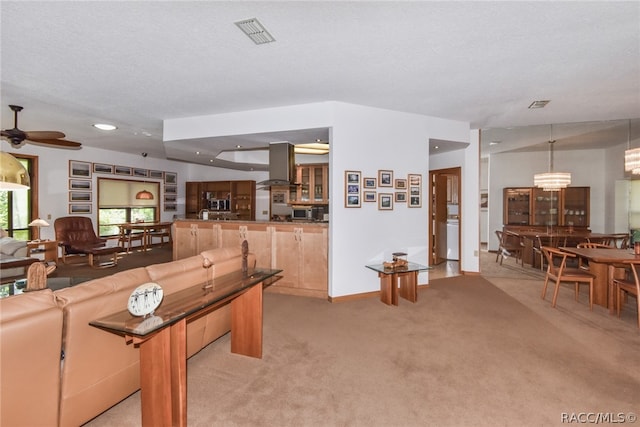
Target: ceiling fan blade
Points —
{"points": [[58, 142], [43, 134]]}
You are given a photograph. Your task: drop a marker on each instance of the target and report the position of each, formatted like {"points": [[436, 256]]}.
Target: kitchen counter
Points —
{"points": [[300, 249], [235, 221]]}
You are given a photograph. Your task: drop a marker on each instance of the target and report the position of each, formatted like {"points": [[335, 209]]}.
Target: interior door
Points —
{"points": [[439, 219]]}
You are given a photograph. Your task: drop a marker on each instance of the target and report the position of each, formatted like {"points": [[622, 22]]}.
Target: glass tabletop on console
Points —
{"points": [[181, 304], [409, 267]]}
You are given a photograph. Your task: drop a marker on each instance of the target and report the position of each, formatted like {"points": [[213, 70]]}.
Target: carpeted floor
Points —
{"points": [[471, 351]]}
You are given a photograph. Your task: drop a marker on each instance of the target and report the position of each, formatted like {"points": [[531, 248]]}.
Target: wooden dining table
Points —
{"points": [[564, 237], [605, 264], [147, 228]]}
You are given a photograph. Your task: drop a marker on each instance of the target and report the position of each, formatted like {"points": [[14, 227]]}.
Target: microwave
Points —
{"points": [[301, 213]]}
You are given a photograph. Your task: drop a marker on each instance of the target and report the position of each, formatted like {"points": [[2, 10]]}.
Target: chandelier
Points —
{"points": [[552, 181], [631, 156]]}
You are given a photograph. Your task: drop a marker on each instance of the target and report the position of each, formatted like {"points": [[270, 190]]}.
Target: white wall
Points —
{"points": [[469, 160], [363, 139]]}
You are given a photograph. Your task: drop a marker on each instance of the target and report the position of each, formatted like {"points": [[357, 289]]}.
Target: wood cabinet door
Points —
{"points": [[184, 240], [229, 235], [285, 255], [259, 238], [206, 237], [314, 252]]}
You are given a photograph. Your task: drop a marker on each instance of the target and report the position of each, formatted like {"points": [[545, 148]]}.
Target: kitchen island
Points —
{"points": [[300, 249]]}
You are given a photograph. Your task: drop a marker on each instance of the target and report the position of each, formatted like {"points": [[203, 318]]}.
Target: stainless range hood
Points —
{"points": [[282, 170]]}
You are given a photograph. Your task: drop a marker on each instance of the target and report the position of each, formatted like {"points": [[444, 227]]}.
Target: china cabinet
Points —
{"points": [[535, 207]]}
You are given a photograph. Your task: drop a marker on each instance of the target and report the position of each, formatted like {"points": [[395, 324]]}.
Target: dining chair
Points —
{"points": [[550, 241], [162, 233], [625, 287], [127, 236], [558, 271], [509, 244]]}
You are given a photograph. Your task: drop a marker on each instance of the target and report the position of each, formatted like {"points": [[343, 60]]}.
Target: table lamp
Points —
{"points": [[37, 223]]}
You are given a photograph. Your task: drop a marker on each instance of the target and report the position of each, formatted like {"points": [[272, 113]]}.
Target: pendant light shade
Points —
{"points": [[631, 156], [13, 176], [551, 181], [632, 161], [144, 195]]}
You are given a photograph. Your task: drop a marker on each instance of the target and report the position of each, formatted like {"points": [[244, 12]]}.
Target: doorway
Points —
{"points": [[445, 214]]}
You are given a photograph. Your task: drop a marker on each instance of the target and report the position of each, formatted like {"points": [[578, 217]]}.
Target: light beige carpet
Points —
{"points": [[467, 353]]}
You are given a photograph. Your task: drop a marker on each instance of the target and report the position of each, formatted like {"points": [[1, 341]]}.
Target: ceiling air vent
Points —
{"points": [[539, 104], [255, 31]]}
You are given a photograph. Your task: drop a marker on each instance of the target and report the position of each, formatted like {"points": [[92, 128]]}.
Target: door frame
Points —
{"points": [[455, 171]]}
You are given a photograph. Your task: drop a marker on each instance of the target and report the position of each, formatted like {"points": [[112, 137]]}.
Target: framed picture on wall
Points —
{"points": [[170, 178], [415, 190], [102, 168], [122, 170], [140, 172], [169, 207], [79, 196], [170, 189], [369, 196], [401, 184], [352, 190], [401, 196], [385, 178], [80, 184], [79, 208], [385, 201], [369, 182], [484, 199], [156, 174], [79, 169]]}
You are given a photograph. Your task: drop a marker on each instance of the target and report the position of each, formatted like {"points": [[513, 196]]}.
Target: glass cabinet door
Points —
{"points": [[546, 205], [517, 202], [304, 184], [318, 186], [576, 206]]}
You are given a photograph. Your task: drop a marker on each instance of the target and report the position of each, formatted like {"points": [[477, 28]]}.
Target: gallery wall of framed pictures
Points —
{"points": [[383, 189], [80, 183]]}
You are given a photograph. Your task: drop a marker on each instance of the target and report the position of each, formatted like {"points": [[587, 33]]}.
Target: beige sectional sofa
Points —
{"points": [[97, 369]]}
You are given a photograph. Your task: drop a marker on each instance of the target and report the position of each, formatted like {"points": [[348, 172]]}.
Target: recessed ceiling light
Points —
{"points": [[197, 153], [539, 104], [238, 146], [104, 126], [495, 142], [255, 31]]}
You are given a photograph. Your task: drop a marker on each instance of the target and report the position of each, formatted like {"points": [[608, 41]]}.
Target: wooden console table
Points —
{"points": [[401, 281], [161, 337]]}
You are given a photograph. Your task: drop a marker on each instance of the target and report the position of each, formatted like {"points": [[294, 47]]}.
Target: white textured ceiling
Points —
{"points": [[133, 64]]}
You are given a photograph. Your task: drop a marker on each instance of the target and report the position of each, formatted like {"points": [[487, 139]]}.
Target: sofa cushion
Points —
{"points": [[100, 368], [31, 325], [173, 275], [10, 246]]}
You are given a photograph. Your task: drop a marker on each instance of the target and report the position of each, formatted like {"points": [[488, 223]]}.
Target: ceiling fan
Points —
{"points": [[17, 136]]}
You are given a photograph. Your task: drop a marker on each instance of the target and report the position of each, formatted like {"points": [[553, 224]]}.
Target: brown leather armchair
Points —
{"points": [[77, 237]]}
